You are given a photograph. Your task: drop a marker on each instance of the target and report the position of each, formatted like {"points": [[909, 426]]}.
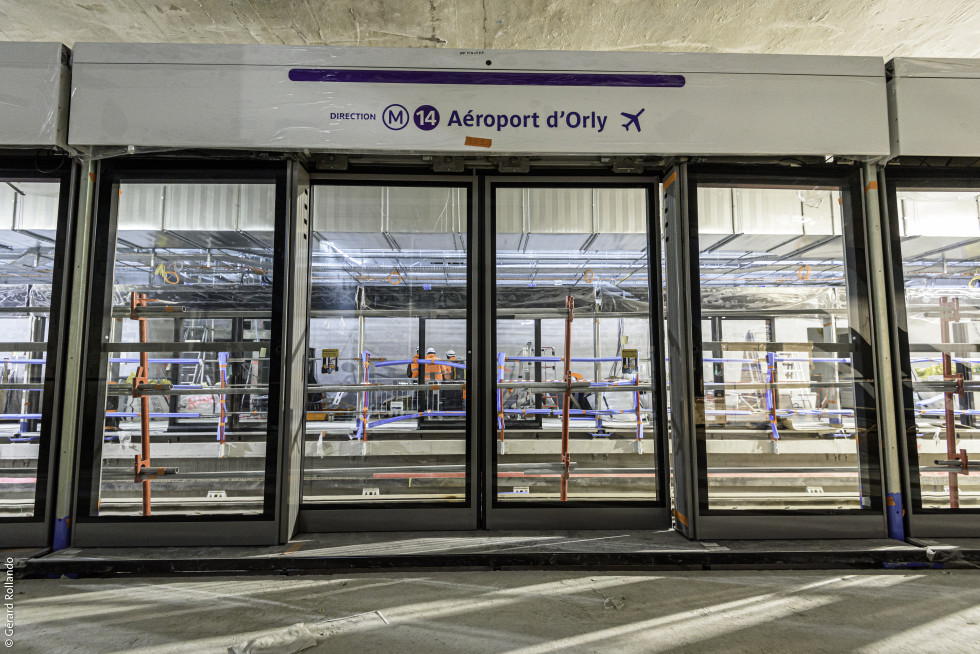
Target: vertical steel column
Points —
{"points": [[138, 301], [295, 361], [596, 367], [887, 408], [949, 313], [74, 321], [567, 400], [684, 353]]}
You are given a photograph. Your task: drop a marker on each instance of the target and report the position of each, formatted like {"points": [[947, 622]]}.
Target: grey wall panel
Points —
{"points": [[257, 206], [203, 207], [715, 210], [141, 207], [348, 209], [621, 210], [560, 211], [934, 107], [34, 88]]}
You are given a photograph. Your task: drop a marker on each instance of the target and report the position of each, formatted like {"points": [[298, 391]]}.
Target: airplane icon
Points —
{"points": [[634, 119]]}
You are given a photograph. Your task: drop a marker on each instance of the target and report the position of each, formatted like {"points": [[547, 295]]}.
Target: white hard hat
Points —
{"points": [[451, 353], [430, 350]]}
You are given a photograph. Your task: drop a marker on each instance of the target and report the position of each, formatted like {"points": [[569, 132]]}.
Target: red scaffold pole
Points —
{"points": [[142, 377], [566, 402], [949, 313]]}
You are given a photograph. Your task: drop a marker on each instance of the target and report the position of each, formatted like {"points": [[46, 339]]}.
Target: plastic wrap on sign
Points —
{"points": [[925, 67], [750, 300], [934, 107], [34, 95], [189, 295], [598, 299]]}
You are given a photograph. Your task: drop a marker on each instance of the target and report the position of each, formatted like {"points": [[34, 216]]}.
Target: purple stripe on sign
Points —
{"points": [[483, 78]]}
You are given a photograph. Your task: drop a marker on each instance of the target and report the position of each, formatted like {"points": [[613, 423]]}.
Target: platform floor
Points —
{"points": [[517, 612], [600, 550], [478, 542]]}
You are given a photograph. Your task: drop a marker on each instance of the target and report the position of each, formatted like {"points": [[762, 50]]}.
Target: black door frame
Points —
{"points": [[90, 529], [414, 516], [477, 511], [690, 452], [575, 515], [920, 522], [37, 530]]}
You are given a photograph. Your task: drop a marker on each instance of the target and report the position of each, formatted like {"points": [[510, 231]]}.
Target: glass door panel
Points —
{"points": [[778, 357], [186, 367], [387, 406], [939, 235], [574, 411], [28, 232]]}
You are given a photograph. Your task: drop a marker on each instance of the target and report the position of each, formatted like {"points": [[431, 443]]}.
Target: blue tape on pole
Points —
{"points": [[535, 359], [62, 534], [896, 526], [129, 414], [164, 361]]}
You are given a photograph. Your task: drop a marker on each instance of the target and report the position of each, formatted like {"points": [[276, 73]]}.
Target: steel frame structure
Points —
{"points": [[284, 512]]}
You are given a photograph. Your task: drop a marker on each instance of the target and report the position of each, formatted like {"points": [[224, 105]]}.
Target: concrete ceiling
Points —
{"points": [[885, 28]]}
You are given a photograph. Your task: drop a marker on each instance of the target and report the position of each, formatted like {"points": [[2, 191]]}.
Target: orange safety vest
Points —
{"points": [[448, 372], [433, 371], [415, 367]]}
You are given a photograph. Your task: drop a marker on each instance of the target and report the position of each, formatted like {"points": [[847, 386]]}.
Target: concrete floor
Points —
{"points": [[408, 543], [516, 612]]}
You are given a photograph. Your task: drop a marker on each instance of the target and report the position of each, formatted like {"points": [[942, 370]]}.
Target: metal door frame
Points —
{"points": [[687, 389], [36, 531], [91, 530], [416, 516], [920, 522], [573, 515]]}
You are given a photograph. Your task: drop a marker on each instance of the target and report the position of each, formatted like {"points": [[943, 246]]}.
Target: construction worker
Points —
{"points": [[453, 399], [580, 400], [449, 372], [433, 370], [413, 367]]}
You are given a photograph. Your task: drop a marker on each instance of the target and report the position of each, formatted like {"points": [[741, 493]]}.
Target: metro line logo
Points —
{"points": [[395, 117], [426, 117]]}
